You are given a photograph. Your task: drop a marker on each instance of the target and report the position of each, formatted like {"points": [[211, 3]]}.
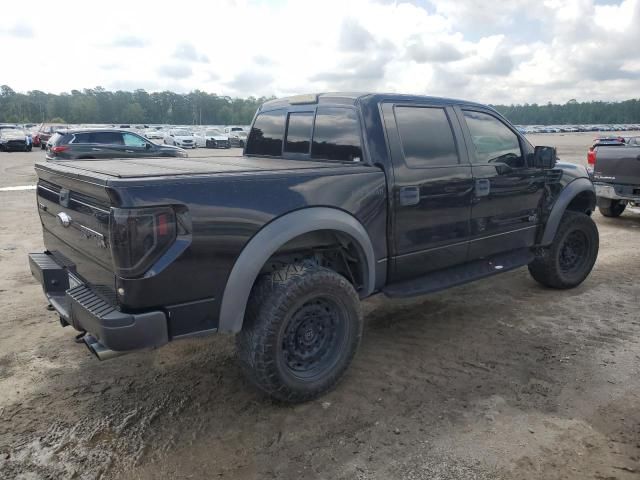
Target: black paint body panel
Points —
{"points": [[227, 200]]}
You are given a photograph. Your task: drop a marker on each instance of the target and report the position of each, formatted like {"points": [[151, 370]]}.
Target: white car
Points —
{"points": [[234, 128], [180, 137], [153, 134], [200, 139], [214, 138]]}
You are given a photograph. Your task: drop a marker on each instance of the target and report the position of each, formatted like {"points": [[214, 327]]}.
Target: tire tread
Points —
{"points": [[270, 299], [545, 269]]}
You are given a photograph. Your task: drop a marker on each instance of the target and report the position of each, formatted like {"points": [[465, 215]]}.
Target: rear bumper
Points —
{"points": [[618, 192], [85, 310]]}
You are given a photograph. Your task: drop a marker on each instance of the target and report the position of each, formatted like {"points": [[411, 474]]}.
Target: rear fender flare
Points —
{"points": [[567, 194], [267, 241]]}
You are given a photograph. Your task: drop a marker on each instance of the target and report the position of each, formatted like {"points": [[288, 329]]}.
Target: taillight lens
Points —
{"points": [[59, 149], [139, 236], [591, 157]]}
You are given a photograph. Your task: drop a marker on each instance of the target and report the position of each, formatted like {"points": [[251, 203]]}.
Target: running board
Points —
{"points": [[460, 274]]}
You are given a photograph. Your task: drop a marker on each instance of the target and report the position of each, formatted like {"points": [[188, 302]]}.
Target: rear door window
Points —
{"points": [[299, 129], [106, 138], [337, 135], [267, 134], [81, 138], [426, 137]]}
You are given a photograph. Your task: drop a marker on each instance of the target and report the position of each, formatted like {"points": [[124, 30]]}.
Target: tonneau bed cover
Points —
{"points": [[163, 167]]}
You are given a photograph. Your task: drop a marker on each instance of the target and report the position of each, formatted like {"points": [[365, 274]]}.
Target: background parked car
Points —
{"points": [[236, 128], [14, 139], [154, 134], [216, 139], [106, 143], [45, 132], [180, 137], [238, 139], [200, 139]]}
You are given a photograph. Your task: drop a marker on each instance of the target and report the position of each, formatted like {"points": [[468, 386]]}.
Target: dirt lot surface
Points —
{"points": [[497, 379]]}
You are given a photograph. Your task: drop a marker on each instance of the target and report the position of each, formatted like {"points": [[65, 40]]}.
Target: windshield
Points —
{"points": [[12, 133], [181, 132], [214, 132]]}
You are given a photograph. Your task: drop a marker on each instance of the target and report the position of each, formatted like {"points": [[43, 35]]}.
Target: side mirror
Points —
{"points": [[147, 146], [544, 157]]}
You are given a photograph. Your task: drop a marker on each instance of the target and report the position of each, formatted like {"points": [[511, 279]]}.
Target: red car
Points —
{"points": [[44, 133]]}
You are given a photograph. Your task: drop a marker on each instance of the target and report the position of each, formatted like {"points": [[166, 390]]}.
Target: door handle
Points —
{"points": [[409, 196], [96, 149], [483, 187], [129, 151]]}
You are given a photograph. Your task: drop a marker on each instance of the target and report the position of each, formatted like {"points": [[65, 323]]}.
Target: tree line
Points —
{"points": [[97, 105], [573, 112]]}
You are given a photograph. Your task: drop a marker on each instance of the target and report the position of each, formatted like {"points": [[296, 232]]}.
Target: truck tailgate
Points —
{"points": [[619, 165], [75, 222]]}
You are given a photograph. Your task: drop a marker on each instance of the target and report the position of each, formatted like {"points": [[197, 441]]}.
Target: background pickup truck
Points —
{"points": [[616, 173], [337, 197]]}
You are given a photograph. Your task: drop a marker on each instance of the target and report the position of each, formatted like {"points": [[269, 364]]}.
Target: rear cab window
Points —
{"points": [[328, 133], [299, 129]]}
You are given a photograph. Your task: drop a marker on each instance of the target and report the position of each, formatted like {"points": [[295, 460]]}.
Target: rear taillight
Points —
{"points": [[59, 149], [591, 157], [139, 236]]}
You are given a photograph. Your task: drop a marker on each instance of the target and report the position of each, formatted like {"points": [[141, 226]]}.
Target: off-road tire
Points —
{"points": [[562, 265], [615, 208], [277, 304]]}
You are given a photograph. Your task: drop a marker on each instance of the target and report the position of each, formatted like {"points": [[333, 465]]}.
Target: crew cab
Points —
{"points": [[616, 173], [337, 197]]}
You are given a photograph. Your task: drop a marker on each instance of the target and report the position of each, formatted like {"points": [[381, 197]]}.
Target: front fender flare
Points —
{"points": [[567, 194], [268, 240]]}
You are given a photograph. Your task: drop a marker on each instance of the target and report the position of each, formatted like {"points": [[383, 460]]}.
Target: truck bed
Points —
{"points": [[164, 167]]}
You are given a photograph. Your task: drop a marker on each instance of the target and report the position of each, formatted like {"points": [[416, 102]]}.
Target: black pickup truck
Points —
{"points": [[616, 173], [336, 198]]}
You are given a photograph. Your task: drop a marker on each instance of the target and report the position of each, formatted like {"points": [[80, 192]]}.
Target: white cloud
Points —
{"points": [[499, 52]]}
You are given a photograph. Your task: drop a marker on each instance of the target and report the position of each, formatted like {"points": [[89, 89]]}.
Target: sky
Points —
{"points": [[500, 51]]}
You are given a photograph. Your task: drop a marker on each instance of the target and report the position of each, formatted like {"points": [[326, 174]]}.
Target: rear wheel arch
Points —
{"points": [[295, 229]]}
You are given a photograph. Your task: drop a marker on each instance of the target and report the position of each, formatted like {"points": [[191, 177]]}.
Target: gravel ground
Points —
{"points": [[497, 379]]}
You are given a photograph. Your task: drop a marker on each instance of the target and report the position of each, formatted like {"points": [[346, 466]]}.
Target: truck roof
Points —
{"points": [[352, 98]]}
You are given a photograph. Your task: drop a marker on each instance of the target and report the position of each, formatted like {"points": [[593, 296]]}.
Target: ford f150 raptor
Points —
{"points": [[336, 198]]}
